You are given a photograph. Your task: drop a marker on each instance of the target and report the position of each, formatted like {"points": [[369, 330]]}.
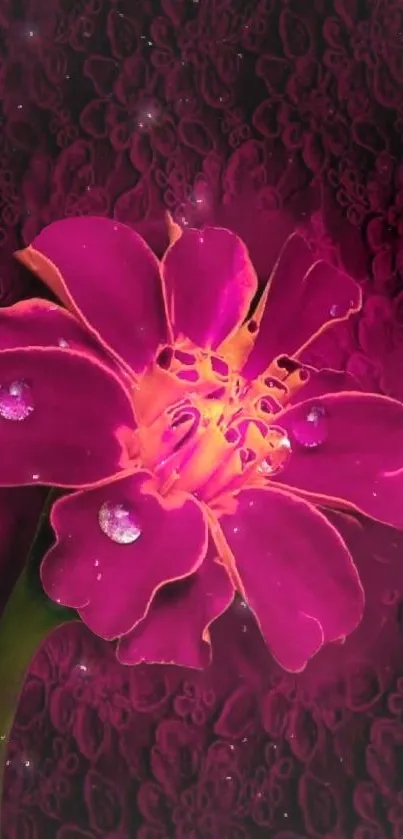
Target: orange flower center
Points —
{"points": [[202, 428]]}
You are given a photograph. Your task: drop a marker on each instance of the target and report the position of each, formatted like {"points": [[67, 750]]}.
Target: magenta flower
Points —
{"points": [[199, 445]]}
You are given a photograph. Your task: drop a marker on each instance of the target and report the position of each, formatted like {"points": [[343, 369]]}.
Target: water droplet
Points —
{"points": [[35, 476], [119, 523], [16, 401], [311, 429], [278, 454], [63, 343]]}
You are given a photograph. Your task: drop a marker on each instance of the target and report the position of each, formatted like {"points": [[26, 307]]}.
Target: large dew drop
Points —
{"points": [[311, 429], [119, 523], [16, 402]]}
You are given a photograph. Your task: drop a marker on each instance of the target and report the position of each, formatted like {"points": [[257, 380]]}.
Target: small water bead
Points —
{"points": [[269, 466], [16, 402], [63, 344], [311, 429], [119, 523], [278, 455]]}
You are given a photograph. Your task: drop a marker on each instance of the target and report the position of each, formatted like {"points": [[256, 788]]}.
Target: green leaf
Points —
{"points": [[29, 617]]}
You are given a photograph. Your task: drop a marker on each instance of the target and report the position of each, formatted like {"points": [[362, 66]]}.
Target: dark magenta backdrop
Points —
{"points": [[260, 116]]}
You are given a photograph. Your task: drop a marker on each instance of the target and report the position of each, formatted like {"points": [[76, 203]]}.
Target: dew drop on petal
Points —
{"points": [[278, 455], [63, 343], [16, 402], [311, 429], [119, 523]]}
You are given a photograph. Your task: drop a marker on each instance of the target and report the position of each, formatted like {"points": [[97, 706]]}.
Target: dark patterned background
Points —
{"points": [[262, 116]]}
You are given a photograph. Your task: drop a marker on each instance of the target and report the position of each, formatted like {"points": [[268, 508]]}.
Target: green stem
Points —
{"points": [[27, 620]]}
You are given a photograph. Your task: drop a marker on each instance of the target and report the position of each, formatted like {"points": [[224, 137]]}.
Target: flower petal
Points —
{"points": [[104, 272], [209, 284], [302, 298], [176, 629], [63, 418], [111, 570], [38, 323], [322, 382], [352, 453], [297, 573]]}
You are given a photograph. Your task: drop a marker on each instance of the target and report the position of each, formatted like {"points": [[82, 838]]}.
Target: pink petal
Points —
{"points": [[107, 274], [303, 297], [209, 283], [39, 323], [64, 418], [111, 567], [298, 576], [176, 629], [323, 382], [347, 448], [251, 221]]}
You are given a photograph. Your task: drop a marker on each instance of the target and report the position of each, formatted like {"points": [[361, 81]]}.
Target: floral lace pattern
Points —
{"points": [[156, 107]]}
